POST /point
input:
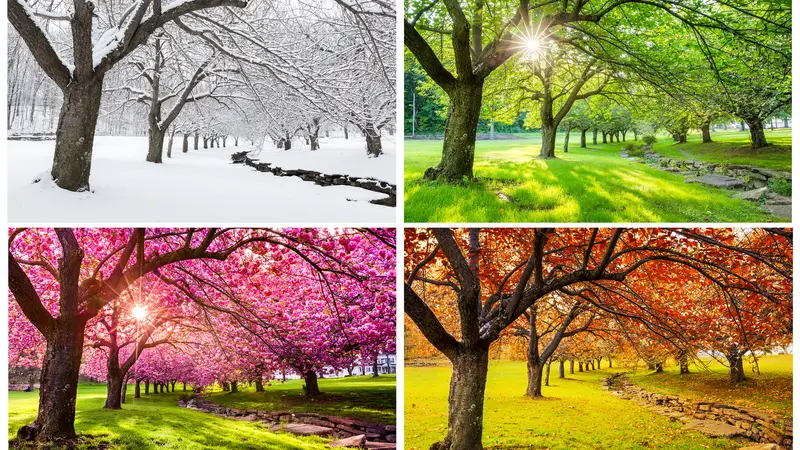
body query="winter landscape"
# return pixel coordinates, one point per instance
(134, 112)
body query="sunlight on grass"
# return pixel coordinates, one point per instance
(769, 391)
(575, 414)
(585, 185)
(156, 421)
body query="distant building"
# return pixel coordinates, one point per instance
(387, 364)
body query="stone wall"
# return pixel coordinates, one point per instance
(752, 177)
(756, 425)
(343, 427)
(322, 179)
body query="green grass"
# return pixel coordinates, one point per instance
(156, 422)
(733, 147)
(575, 414)
(366, 398)
(770, 391)
(584, 185)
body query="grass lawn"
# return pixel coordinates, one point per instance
(584, 185)
(770, 391)
(367, 398)
(733, 147)
(576, 414)
(156, 422)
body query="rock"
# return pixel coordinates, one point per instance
(381, 445)
(753, 195)
(782, 211)
(714, 428)
(304, 429)
(761, 447)
(352, 441)
(775, 199)
(249, 418)
(720, 181)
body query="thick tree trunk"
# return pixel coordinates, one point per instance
(312, 386)
(571, 366)
(315, 143)
(659, 367)
(185, 148)
(561, 368)
(155, 145)
(137, 391)
(757, 137)
(146, 387)
(465, 402)
(604, 138)
(681, 138)
(535, 372)
(580, 366)
(704, 128)
(458, 149)
(72, 160)
(287, 143)
(548, 149)
(58, 385)
(583, 138)
(259, 386)
(373, 137)
(234, 386)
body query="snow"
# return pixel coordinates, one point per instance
(335, 156)
(198, 187)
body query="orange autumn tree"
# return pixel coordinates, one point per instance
(465, 288)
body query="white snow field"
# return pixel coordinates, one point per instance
(200, 187)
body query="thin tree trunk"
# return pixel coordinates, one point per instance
(594, 136)
(146, 387)
(547, 372)
(583, 138)
(566, 141)
(185, 148)
(137, 391)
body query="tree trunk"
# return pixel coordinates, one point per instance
(184, 386)
(146, 387)
(741, 125)
(287, 143)
(373, 137)
(259, 386)
(757, 137)
(185, 148)
(465, 402)
(169, 144)
(137, 391)
(566, 141)
(786, 122)
(196, 139)
(458, 149)
(609, 362)
(604, 138)
(548, 149)
(315, 143)
(236, 141)
(547, 372)
(659, 367)
(72, 160)
(205, 142)
(114, 391)
(624, 133)
(124, 390)
(681, 138)
(535, 372)
(173, 386)
(345, 133)
(155, 147)
(571, 366)
(234, 386)
(225, 387)
(580, 366)
(58, 385)
(312, 387)
(704, 128)
(583, 138)
(561, 368)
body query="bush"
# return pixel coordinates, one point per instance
(649, 140)
(635, 151)
(781, 186)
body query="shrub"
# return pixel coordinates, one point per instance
(781, 186)
(634, 150)
(649, 140)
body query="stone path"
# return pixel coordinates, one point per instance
(347, 432)
(322, 179)
(750, 182)
(772, 431)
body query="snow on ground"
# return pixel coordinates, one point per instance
(198, 187)
(335, 156)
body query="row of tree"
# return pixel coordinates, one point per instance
(502, 59)
(193, 305)
(586, 294)
(215, 67)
